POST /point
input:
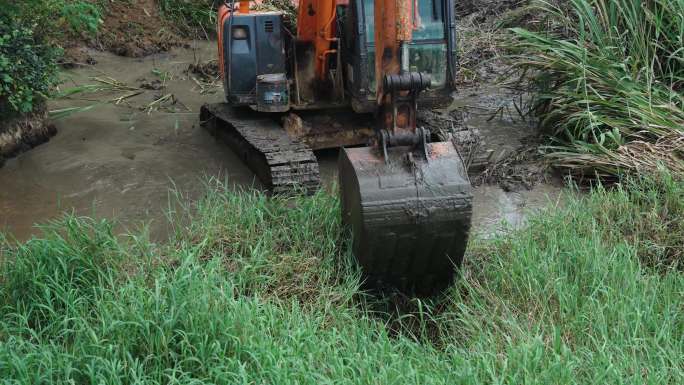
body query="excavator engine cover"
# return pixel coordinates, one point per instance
(410, 217)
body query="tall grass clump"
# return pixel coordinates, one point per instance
(589, 292)
(285, 247)
(191, 16)
(256, 290)
(610, 76)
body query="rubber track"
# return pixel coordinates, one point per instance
(283, 164)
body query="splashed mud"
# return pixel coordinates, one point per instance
(120, 161)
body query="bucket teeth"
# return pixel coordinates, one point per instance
(410, 217)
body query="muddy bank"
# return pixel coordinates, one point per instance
(129, 28)
(24, 132)
(498, 142)
(136, 29)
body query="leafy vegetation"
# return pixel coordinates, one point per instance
(258, 290)
(194, 16)
(50, 19)
(610, 77)
(191, 16)
(27, 68)
(29, 31)
(79, 16)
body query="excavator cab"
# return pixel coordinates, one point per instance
(407, 200)
(432, 51)
(269, 68)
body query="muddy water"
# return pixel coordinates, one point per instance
(492, 111)
(118, 161)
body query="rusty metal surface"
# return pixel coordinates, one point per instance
(410, 218)
(330, 129)
(282, 163)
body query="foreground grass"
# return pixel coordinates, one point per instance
(255, 290)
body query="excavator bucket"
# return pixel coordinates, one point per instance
(410, 216)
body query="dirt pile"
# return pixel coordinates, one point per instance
(484, 39)
(23, 133)
(135, 29)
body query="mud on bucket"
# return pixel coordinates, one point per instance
(410, 217)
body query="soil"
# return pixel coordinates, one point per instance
(487, 8)
(135, 29)
(205, 71)
(490, 115)
(498, 141)
(131, 28)
(484, 37)
(77, 55)
(523, 169)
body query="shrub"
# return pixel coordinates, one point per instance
(79, 16)
(29, 32)
(27, 68)
(193, 16)
(50, 19)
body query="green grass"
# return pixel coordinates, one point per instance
(609, 76)
(257, 290)
(191, 16)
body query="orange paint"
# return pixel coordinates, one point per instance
(394, 25)
(394, 22)
(244, 7)
(316, 24)
(223, 14)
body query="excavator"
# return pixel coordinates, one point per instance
(353, 74)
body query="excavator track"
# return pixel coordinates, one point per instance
(282, 163)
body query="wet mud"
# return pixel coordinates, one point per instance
(122, 160)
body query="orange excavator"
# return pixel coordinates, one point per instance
(370, 65)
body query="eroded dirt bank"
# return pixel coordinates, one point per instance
(23, 133)
(121, 160)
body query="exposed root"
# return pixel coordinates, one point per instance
(23, 133)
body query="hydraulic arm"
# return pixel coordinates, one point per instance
(408, 201)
